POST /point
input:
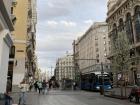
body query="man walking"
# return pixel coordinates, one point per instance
(23, 88)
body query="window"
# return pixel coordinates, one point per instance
(97, 56)
(104, 37)
(12, 52)
(104, 42)
(137, 23)
(11, 10)
(114, 32)
(129, 29)
(96, 43)
(121, 25)
(97, 49)
(96, 38)
(104, 49)
(105, 55)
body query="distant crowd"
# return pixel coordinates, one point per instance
(41, 86)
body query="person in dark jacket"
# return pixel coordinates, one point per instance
(44, 86)
(36, 86)
(8, 99)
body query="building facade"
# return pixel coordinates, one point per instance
(64, 68)
(91, 50)
(24, 40)
(6, 27)
(31, 40)
(124, 15)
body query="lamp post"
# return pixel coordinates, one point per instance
(102, 73)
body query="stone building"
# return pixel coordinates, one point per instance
(6, 27)
(124, 15)
(91, 50)
(65, 68)
(24, 38)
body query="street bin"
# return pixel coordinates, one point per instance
(101, 90)
(2, 99)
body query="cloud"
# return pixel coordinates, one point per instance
(68, 23)
(62, 21)
(52, 23)
(88, 21)
(52, 9)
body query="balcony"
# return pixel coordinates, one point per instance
(14, 2)
(13, 18)
(30, 13)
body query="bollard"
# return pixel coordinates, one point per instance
(101, 90)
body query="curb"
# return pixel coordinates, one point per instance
(116, 96)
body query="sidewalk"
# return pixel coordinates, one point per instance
(32, 98)
(116, 93)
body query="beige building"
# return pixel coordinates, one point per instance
(64, 68)
(124, 15)
(92, 48)
(6, 27)
(24, 40)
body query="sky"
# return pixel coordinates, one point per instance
(59, 22)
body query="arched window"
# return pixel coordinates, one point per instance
(137, 23)
(129, 29)
(114, 36)
(121, 25)
(114, 32)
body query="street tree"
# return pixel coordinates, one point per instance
(121, 56)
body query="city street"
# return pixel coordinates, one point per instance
(57, 97)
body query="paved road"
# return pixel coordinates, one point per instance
(57, 97)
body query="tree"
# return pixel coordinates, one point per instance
(121, 56)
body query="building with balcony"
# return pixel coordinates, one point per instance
(124, 15)
(6, 27)
(31, 39)
(24, 40)
(91, 49)
(65, 68)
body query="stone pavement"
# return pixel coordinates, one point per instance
(32, 98)
(69, 97)
(56, 97)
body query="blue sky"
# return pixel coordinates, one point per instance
(62, 21)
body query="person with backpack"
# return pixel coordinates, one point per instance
(39, 86)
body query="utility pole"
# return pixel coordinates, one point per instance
(74, 60)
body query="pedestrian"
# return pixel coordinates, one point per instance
(23, 93)
(44, 86)
(74, 86)
(36, 85)
(8, 99)
(134, 94)
(39, 86)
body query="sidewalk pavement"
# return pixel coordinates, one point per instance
(116, 92)
(32, 98)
